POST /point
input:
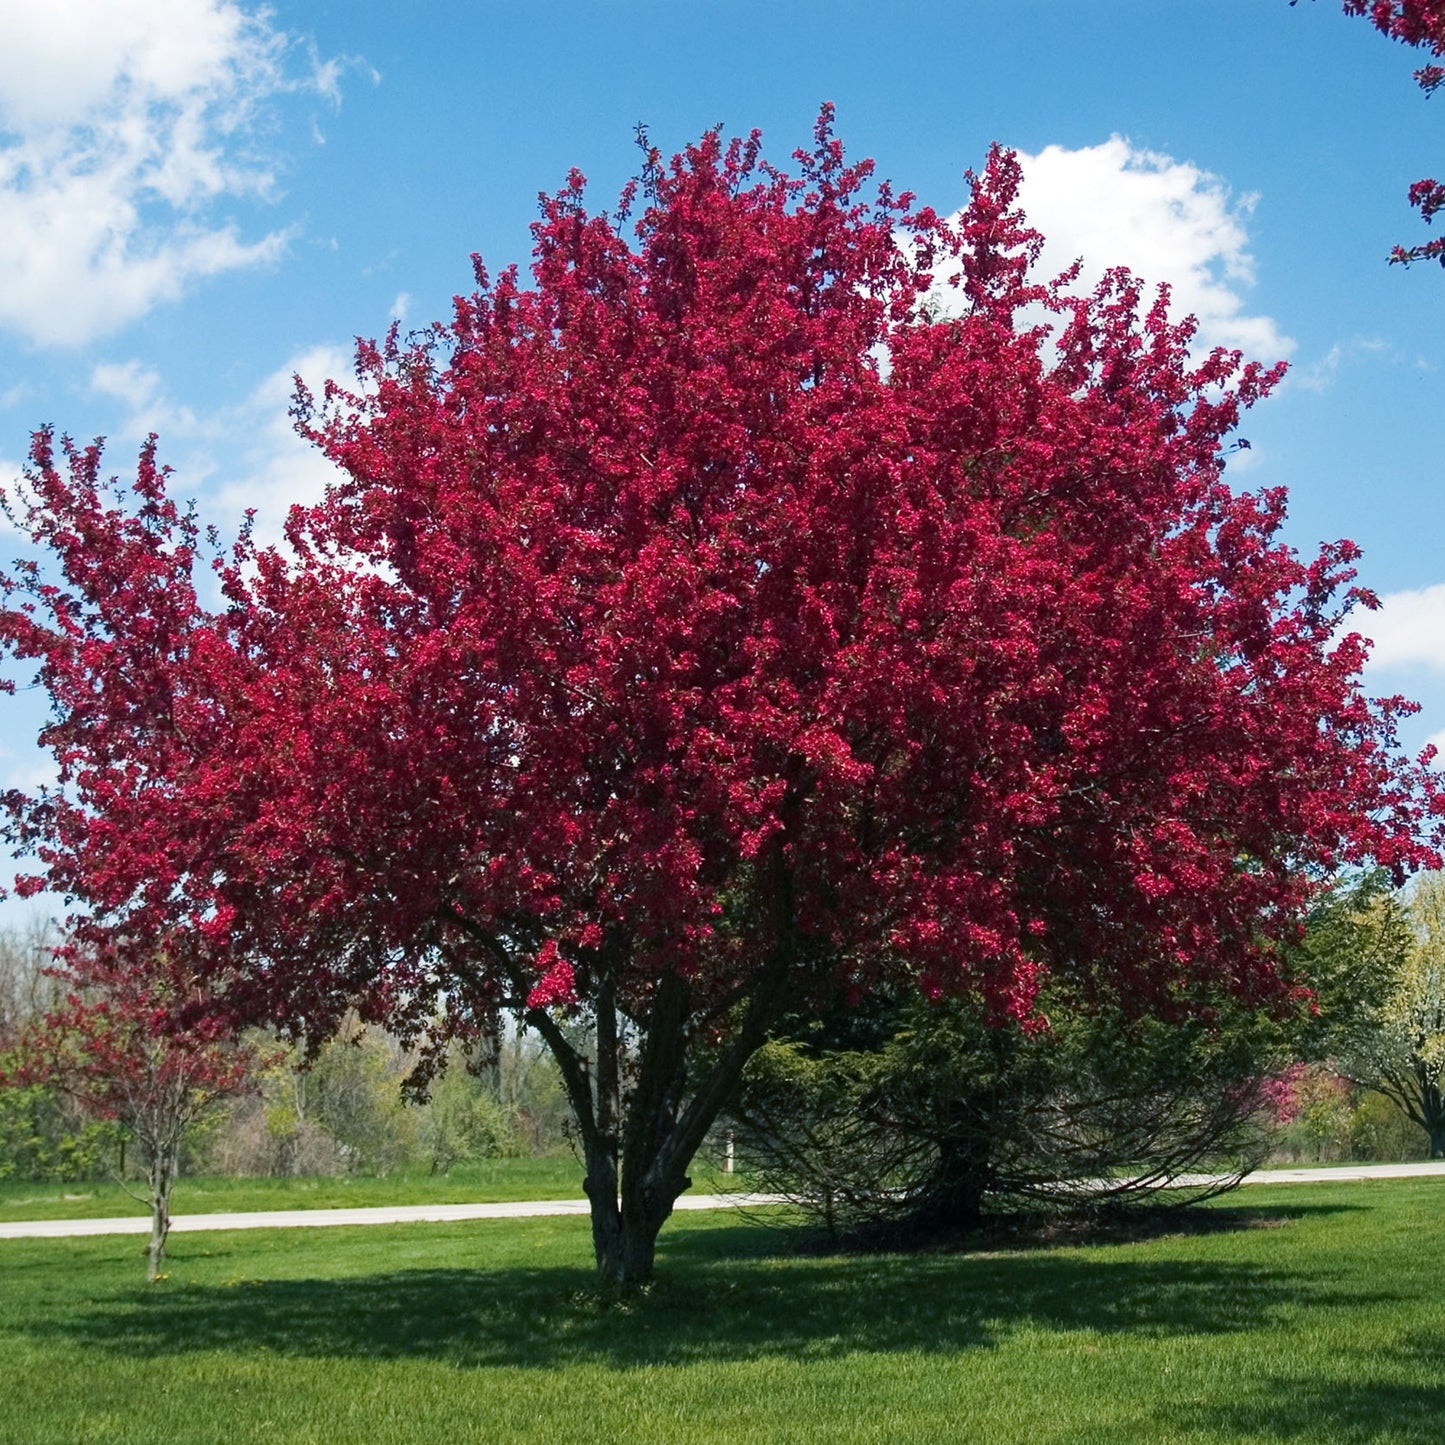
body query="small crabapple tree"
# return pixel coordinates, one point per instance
(136, 1043)
(709, 623)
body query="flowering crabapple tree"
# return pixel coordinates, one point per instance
(1420, 23)
(138, 1045)
(714, 622)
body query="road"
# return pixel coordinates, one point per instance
(526, 1209)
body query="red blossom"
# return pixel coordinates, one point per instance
(557, 985)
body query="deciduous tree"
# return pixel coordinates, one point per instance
(1399, 1049)
(711, 623)
(141, 1046)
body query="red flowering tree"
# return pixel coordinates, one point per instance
(138, 1044)
(717, 621)
(1420, 23)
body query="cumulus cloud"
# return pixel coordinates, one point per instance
(141, 390)
(276, 469)
(1408, 630)
(243, 457)
(123, 123)
(1166, 220)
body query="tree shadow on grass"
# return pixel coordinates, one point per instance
(1382, 1402)
(715, 1299)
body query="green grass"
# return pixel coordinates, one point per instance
(1313, 1315)
(488, 1180)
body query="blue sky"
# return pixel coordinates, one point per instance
(198, 197)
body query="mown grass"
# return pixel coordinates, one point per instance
(1312, 1313)
(485, 1181)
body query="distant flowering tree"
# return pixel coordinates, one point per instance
(1402, 1051)
(1420, 23)
(1311, 1101)
(138, 1045)
(709, 625)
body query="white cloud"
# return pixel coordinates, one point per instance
(1166, 220)
(401, 306)
(1408, 630)
(1322, 374)
(276, 468)
(122, 123)
(149, 406)
(243, 456)
(10, 471)
(1438, 740)
(128, 381)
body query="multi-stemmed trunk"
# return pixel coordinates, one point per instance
(651, 1088)
(1417, 1089)
(639, 1140)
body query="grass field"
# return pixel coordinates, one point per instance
(489, 1180)
(1312, 1313)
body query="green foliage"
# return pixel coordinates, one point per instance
(348, 1112)
(1378, 1130)
(1388, 1031)
(41, 1138)
(354, 1090)
(344, 1114)
(920, 1114)
(1349, 960)
(1317, 1120)
(463, 1121)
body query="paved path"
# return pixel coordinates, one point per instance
(380, 1214)
(524, 1209)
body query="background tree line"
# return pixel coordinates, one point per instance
(343, 1112)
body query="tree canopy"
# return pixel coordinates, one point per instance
(786, 590)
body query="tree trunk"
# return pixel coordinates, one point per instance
(1432, 1108)
(625, 1226)
(952, 1201)
(637, 1144)
(162, 1177)
(1434, 1111)
(638, 1139)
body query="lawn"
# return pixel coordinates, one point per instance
(486, 1181)
(1311, 1313)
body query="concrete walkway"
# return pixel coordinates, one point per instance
(380, 1214)
(526, 1209)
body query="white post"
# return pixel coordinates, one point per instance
(728, 1154)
